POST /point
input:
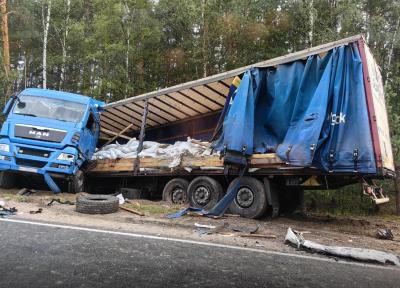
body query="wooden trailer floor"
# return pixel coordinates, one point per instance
(208, 163)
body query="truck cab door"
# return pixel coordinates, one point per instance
(90, 135)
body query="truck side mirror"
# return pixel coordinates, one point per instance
(9, 105)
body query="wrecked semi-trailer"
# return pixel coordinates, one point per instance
(314, 119)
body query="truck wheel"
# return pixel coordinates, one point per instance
(290, 199)
(7, 180)
(175, 191)
(250, 200)
(77, 184)
(97, 204)
(204, 192)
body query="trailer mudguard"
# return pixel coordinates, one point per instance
(310, 112)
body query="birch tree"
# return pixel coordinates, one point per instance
(64, 43)
(46, 10)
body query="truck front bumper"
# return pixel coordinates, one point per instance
(39, 160)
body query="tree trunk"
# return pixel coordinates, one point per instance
(311, 23)
(64, 44)
(46, 25)
(205, 32)
(4, 31)
(397, 189)
(390, 53)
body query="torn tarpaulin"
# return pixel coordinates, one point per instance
(367, 255)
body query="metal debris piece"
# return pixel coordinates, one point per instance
(250, 230)
(26, 192)
(198, 225)
(367, 255)
(60, 201)
(385, 234)
(40, 210)
(6, 212)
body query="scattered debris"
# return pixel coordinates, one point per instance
(132, 210)
(249, 230)
(26, 192)
(265, 236)
(60, 201)
(40, 210)
(121, 199)
(385, 234)
(204, 226)
(6, 212)
(368, 255)
(226, 230)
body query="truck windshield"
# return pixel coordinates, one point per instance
(51, 108)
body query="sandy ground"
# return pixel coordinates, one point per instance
(343, 231)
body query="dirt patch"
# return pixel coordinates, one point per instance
(326, 229)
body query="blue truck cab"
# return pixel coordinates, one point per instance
(50, 133)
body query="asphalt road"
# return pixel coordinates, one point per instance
(48, 256)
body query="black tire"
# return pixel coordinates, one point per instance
(7, 180)
(250, 200)
(204, 192)
(97, 204)
(175, 191)
(290, 200)
(77, 183)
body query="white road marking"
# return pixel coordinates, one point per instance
(135, 235)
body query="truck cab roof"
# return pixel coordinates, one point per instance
(62, 95)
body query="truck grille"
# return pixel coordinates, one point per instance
(34, 152)
(39, 133)
(30, 163)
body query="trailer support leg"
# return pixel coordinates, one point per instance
(141, 136)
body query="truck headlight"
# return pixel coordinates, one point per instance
(66, 157)
(5, 147)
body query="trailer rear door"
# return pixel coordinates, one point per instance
(377, 110)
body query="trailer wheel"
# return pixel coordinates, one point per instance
(204, 192)
(250, 200)
(77, 184)
(175, 191)
(97, 204)
(7, 179)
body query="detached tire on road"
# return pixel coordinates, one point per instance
(204, 192)
(250, 200)
(97, 204)
(175, 191)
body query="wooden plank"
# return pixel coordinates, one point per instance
(114, 133)
(120, 134)
(131, 210)
(126, 164)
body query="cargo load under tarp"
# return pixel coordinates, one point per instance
(311, 112)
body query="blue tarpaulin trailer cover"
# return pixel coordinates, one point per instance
(311, 112)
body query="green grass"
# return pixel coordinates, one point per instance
(14, 197)
(154, 209)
